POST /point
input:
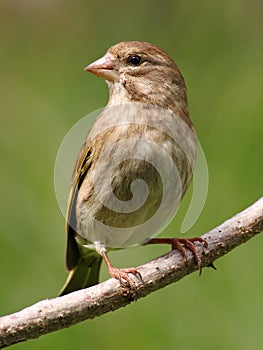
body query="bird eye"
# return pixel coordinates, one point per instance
(135, 60)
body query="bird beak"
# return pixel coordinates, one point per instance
(104, 67)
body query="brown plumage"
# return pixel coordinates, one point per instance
(147, 112)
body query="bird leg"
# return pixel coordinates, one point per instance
(181, 244)
(122, 275)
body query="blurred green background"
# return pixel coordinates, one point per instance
(219, 48)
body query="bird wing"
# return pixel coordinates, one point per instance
(81, 168)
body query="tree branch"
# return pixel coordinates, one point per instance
(53, 314)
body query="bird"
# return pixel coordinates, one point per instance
(134, 166)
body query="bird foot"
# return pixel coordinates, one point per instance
(122, 275)
(181, 244)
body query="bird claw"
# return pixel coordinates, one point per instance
(122, 275)
(182, 243)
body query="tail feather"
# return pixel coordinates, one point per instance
(84, 275)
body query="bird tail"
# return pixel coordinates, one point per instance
(84, 275)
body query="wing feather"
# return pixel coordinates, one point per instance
(81, 168)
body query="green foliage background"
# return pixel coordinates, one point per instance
(219, 48)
